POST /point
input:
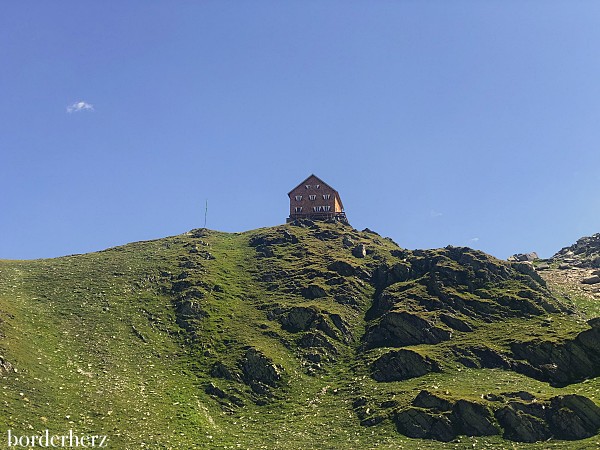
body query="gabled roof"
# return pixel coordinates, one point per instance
(337, 194)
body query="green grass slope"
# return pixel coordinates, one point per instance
(312, 335)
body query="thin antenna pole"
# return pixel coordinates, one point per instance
(205, 212)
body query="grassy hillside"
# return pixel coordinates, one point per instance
(297, 336)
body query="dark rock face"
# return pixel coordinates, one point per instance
(417, 423)
(298, 319)
(398, 329)
(259, 372)
(473, 419)
(427, 400)
(569, 417)
(342, 267)
(401, 365)
(360, 251)
(523, 424)
(313, 291)
(573, 417)
(563, 363)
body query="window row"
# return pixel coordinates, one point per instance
(298, 209)
(316, 186)
(313, 197)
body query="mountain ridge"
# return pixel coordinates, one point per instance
(301, 325)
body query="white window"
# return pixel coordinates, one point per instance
(317, 186)
(317, 208)
(298, 209)
(312, 197)
(298, 198)
(326, 208)
(326, 196)
(307, 186)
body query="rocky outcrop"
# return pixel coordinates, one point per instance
(450, 283)
(5, 366)
(259, 372)
(569, 417)
(401, 365)
(565, 362)
(584, 253)
(401, 328)
(524, 257)
(360, 251)
(521, 418)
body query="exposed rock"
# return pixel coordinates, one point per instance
(524, 257)
(220, 370)
(360, 251)
(584, 253)
(563, 363)
(427, 400)
(400, 328)
(402, 364)
(473, 419)
(455, 323)
(188, 311)
(347, 241)
(316, 340)
(342, 267)
(591, 280)
(313, 291)
(298, 318)
(417, 423)
(5, 366)
(522, 426)
(259, 371)
(573, 417)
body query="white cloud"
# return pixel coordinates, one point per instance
(433, 214)
(80, 106)
(475, 239)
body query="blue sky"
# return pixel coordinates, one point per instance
(439, 122)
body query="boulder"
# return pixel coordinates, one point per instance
(524, 257)
(591, 280)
